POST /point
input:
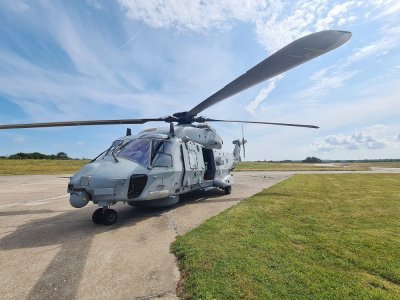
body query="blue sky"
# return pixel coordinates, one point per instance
(84, 60)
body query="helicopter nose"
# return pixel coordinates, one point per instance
(106, 173)
(105, 181)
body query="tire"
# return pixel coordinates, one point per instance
(228, 190)
(97, 216)
(109, 217)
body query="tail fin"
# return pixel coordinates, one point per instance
(236, 151)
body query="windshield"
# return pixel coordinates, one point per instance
(137, 150)
(116, 144)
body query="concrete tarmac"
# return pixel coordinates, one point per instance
(50, 250)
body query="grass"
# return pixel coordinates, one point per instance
(43, 166)
(388, 164)
(39, 166)
(270, 166)
(310, 237)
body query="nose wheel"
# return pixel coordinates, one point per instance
(106, 216)
(228, 190)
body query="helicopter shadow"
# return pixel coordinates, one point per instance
(71, 233)
(209, 196)
(195, 197)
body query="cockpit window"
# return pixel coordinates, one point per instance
(137, 150)
(161, 154)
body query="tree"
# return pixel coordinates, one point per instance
(62, 155)
(312, 160)
(37, 155)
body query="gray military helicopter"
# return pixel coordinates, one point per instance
(155, 166)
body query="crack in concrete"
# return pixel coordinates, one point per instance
(165, 295)
(172, 220)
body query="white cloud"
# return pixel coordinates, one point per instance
(276, 22)
(105, 81)
(336, 76)
(389, 41)
(263, 94)
(342, 21)
(336, 14)
(371, 138)
(192, 15)
(382, 9)
(324, 83)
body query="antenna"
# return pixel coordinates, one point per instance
(171, 129)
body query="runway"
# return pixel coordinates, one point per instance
(49, 249)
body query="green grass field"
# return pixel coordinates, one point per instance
(39, 166)
(310, 237)
(43, 166)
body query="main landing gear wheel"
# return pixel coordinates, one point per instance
(97, 215)
(228, 190)
(109, 217)
(106, 216)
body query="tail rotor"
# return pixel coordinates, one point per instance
(243, 143)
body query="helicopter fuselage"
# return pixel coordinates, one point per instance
(154, 167)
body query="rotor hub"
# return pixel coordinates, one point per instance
(183, 118)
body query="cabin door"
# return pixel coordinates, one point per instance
(193, 164)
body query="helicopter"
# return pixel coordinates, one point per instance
(154, 167)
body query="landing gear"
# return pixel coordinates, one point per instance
(96, 217)
(109, 217)
(105, 215)
(228, 190)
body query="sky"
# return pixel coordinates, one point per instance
(118, 59)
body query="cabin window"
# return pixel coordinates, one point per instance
(137, 150)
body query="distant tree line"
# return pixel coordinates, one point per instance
(318, 160)
(37, 155)
(307, 160)
(364, 160)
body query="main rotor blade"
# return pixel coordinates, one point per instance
(259, 122)
(292, 55)
(80, 123)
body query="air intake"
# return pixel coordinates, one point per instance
(137, 184)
